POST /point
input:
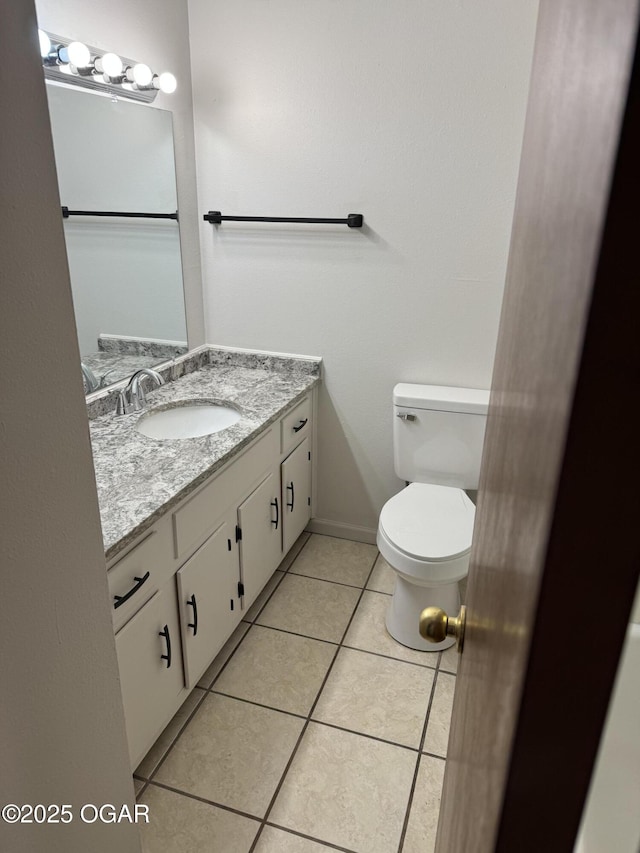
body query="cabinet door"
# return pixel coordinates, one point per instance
(260, 520)
(296, 493)
(151, 675)
(209, 602)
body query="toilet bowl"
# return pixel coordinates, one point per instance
(424, 534)
(425, 531)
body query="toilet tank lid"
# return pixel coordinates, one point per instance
(442, 398)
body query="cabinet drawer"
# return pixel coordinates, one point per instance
(143, 570)
(201, 514)
(295, 426)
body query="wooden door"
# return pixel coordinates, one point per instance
(260, 519)
(296, 493)
(208, 600)
(554, 557)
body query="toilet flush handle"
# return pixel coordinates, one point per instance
(405, 416)
(436, 626)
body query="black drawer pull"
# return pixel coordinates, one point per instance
(274, 503)
(120, 599)
(300, 425)
(290, 505)
(194, 624)
(165, 633)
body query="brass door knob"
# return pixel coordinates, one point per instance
(436, 626)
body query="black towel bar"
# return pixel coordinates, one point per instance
(353, 220)
(66, 213)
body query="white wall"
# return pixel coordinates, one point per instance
(155, 32)
(62, 736)
(410, 113)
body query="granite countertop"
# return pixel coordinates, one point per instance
(139, 479)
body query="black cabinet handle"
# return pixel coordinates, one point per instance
(120, 599)
(274, 503)
(165, 633)
(290, 505)
(194, 624)
(300, 425)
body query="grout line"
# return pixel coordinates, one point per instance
(309, 837)
(298, 634)
(433, 667)
(433, 755)
(326, 580)
(204, 800)
(142, 790)
(258, 704)
(295, 634)
(364, 734)
(407, 813)
(308, 720)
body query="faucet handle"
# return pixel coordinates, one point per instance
(139, 397)
(123, 407)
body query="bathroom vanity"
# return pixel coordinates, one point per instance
(194, 528)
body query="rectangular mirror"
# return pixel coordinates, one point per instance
(114, 156)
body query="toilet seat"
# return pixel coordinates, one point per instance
(425, 533)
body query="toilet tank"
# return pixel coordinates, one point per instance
(438, 432)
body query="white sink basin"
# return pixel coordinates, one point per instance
(187, 420)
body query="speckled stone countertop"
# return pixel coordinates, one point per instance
(139, 479)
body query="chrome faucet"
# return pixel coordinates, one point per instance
(132, 398)
(90, 379)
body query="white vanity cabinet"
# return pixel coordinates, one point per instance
(151, 673)
(209, 605)
(296, 493)
(260, 532)
(179, 592)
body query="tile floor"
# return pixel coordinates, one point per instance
(313, 730)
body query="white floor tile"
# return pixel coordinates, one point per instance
(232, 753)
(423, 819)
(347, 789)
(437, 735)
(278, 669)
(179, 824)
(376, 696)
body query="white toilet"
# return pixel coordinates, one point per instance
(425, 531)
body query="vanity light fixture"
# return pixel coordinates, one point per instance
(78, 64)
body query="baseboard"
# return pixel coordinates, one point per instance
(342, 531)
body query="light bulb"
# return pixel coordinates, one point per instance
(142, 74)
(45, 43)
(110, 64)
(166, 82)
(78, 54)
